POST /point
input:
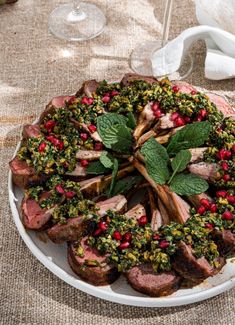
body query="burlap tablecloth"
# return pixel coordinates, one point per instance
(34, 66)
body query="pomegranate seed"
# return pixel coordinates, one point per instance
(156, 237)
(213, 208)
(179, 121)
(175, 89)
(90, 101)
(42, 146)
(98, 146)
(227, 215)
(97, 232)
(224, 154)
(59, 189)
(49, 125)
(233, 149)
(124, 245)
(102, 225)
(85, 100)
(157, 113)
(71, 100)
(193, 92)
(187, 119)
(203, 113)
(199, 119)
(226, 177)
(231, 199)
(70, 194)
(92, 128)
(50, 138)
(84, 163)
(209, 225)
(164, 244)
(60, 145)
(221, 193)
(117, 235)
(127, 236)
(224, 166)
(142, 221)
(174, 116)
(106, 99)
(155, 107)
(201, 210)
(114, 93)
(206, 203)
(84, 136)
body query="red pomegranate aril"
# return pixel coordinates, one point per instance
(157, 113)
(156, 237)
(60, 145)
(59, 189)
(187, 119)
(124, 245)
(117, 235)
(71, 100)
(226, 177)
(199, 119)
(90, 101)
(175, 89)
(155, 107)
(85, 100)
(231, 199)
(50, 138)
(209, 225)
(203, 113)
(193, 92)
(49, 125)
(143, 220)
(98, 146)
(97, 232)
(224, 166)
(92, 128)
(206, 203)
(224, 154)
(70, 194)
(102, 225)
(84, 163)
(164, 244)
(174, 116)
(127, 236)
(114, 93)
(201, 210)
(227, 215)
(233, 149)
(221, 193)
(84, 136)
(213, 208)
(42, 147)
(106, 99)
(179, 121)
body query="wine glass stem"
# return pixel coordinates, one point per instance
(167, 21)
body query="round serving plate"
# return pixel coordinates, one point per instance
(54, 258)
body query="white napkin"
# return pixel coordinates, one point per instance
(220, 58)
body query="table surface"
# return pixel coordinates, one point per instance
(34, 66)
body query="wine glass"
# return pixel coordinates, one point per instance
(77, 21)
(141, 56)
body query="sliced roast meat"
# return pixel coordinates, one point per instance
(24, 175)
(145, 120)
(33, 216)
(207, 171)
(222, 104)
(195, 199)
(130, 77)
(162, 139)
(88, 88)
(136, 212)
(155, 284)
(116, 203)
(225, 241)
(192, 268)
(78, 171)
(183, 86)
(31, 131)
(197, 154)
(164, 213)
(82, 126)
(88, 154)
(55, 103)
(156, 218)
(92, 267)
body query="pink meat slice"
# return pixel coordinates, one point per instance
(116, 203)
(31, 131)
(221, 104)
(207, 171)
(184, 87)
(22, 173)
(54, 104)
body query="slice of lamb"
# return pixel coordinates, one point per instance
(82, 126)
(92, 267)
(197, 154)
(55, 103)
(222, 104)
(88, 154)
(33, 216)
(192, 268)
(136, 212)
(88, 88)
(145, 120)
(195, 199)
(183, 86)
(207, 171)
(156, 218)
(31, 131)
(162, 139)
(164, 213)
(24, 175)
(225, 241)
(116, 203)
(79, 171)
(130, 77)
(143, 279)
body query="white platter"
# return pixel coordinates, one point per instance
(54, 258)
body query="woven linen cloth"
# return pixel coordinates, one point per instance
(35, 66)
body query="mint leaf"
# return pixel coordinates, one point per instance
(106, 159)
(119, 138)
(156, 160)
(181, 160)
(114, 175)
(131, 122)
(96, 168)
(191, 136)
(126, 184)
(107, 120)
(188, 184)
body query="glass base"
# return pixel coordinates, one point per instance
(87, 23)
(140, 61)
